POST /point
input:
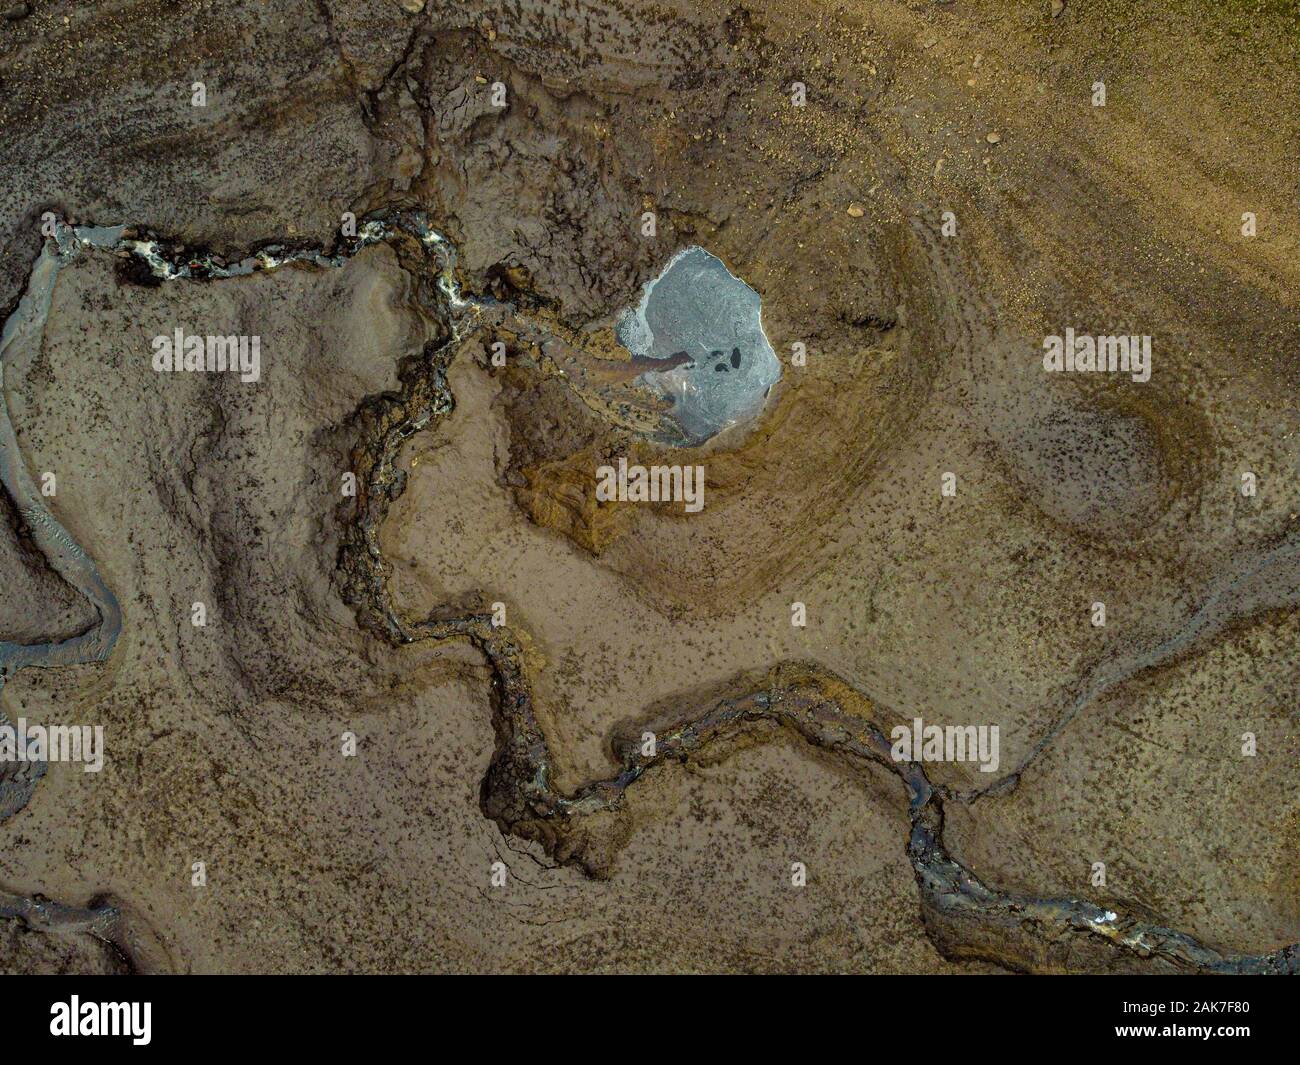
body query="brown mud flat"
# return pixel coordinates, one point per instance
(1119, 745)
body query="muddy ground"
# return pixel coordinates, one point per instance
(1120, 744)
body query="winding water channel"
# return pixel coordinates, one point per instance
(964, 916)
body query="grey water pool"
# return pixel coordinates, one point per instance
(698, 307)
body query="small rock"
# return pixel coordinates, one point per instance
(1057, 7)
(855, 211)
(15, 12)
(993, 137)
(413, 6)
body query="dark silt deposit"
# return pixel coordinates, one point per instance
(701, 315)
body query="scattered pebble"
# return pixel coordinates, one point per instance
(855, 211)
(413, 6)
(1057, 7)
(993, 137)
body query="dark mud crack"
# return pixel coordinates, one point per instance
(964, 917)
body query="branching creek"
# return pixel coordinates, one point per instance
(964, 917)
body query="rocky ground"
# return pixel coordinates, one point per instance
(1120, 744)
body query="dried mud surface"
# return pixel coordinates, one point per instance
(518, 744)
